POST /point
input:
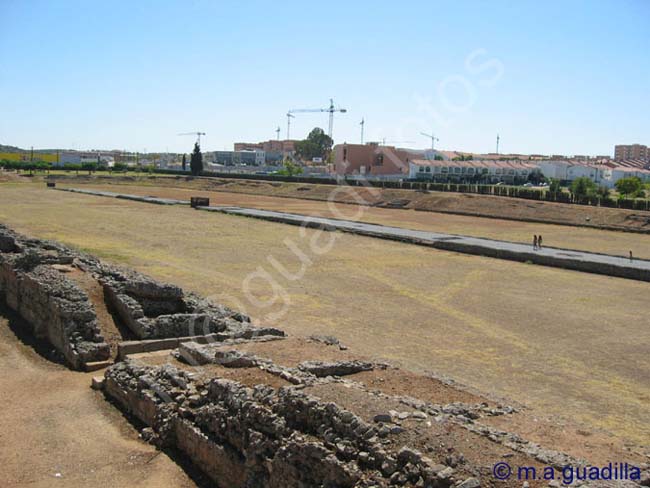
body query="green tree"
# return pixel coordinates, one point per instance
(554, 186)
(583, 187)
(290, 168)
(184, 162)
(536, 177)
(603, 192)
(196, 160)
(90, 167)
(317, 145)
(629, 186)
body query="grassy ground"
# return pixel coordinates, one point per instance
(579, 238)
(566, 342)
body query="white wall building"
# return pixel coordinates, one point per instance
(567, 171)
(487, 171)
(612, 175)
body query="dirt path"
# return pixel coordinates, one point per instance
(56, 431)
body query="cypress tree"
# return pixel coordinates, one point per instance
(196, 160)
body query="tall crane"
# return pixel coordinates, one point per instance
(331, 109)
(433, 139)
(277, 133)
(289, 117)
(198, 135)
(384, 142)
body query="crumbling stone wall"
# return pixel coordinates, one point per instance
(51, 304)
(153, 310)
(262, 437)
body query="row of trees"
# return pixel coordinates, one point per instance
(88, 166)
(626, 187)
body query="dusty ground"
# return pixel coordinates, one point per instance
(52, 422)
(476, 205)
(579, 238)
(563, 342)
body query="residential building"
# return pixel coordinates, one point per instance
(612, 174)
(274, 150)
(631, 151)
(484, 171)
(370, 159)
(568, 170)
(232, 158)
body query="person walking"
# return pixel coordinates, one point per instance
(535, 241)
(539, 241)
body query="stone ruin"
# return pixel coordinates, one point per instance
(34, 284)
(52, 306)
(264, 437)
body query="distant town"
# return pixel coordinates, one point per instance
(372, 160)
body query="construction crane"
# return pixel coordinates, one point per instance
(433, 139)
(331, 109)
(384, 142)
(289, 117)
(277, 133)
(197, 134)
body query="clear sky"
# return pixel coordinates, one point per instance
(553, 77)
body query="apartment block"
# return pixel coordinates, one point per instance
(631, 151)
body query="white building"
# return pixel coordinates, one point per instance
(66, 158)
(487, 171)
(612, 175)
(568, 171)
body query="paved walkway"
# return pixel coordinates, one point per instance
(606, 264)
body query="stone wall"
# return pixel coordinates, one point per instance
(52, 305)
(262, 437)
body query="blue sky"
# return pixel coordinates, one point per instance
(565, 77)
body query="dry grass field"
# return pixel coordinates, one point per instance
(564, 343)
(429, 201)
(580, 238)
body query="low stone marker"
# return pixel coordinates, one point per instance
(199, 202)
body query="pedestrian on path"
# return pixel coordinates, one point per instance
(539, 241)
(535, 241)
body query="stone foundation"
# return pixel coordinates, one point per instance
(52, 305)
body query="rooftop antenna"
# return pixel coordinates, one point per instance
(277, 132)
(362, 124)
(497, 143)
